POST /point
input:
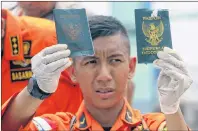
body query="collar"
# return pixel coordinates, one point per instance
(128, 117)
(13, 44)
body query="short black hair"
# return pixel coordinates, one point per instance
(107, 26)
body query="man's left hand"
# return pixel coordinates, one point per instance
(173, 80)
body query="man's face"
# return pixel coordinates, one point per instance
(103, 77)
(36, 9)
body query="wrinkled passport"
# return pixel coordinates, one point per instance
(72, 29)
(152, 33)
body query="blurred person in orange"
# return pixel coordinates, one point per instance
(22, 38)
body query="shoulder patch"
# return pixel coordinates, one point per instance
(128, 116)
(83, 122)
(14, 41)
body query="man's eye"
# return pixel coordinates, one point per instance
(91, 62)
(115, 60)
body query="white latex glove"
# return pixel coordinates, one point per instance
(48, 64)
(173, 80)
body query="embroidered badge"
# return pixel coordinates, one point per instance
(21, 70)
(14, 40)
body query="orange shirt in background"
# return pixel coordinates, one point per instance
(24, 37)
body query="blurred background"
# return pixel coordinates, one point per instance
(184, 31)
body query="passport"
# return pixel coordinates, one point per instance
(152, 33)
(72, 28)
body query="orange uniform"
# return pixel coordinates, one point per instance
(128, 120)
(26, 36)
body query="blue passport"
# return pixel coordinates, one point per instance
(72, 28)
(152, 33)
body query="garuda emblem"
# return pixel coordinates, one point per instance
(153, 33)
(73, 31)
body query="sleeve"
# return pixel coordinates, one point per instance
(47, 122)
(156, 122)
(58, 121)
(12, 38)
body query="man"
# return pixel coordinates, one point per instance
(45, 10)
(22, 38)
(103, 79)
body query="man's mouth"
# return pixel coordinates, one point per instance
(105, 93)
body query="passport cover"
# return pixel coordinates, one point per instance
(152, 34)
(72, 29)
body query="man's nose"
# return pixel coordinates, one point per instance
(104, 74)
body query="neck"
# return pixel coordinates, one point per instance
(106, 117)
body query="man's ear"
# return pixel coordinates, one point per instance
(72, 73)
(132, 66)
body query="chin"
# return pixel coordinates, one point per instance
(106, 104)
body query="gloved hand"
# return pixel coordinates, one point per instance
(173, 80)
(48, 64)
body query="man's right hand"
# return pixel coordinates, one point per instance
(48, 64)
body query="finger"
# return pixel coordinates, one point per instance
(183, 80)
(179, 87)
(174, 74)
(52, 67)
(171, 59)
(172, 86)
(55, 56)
(165, 90)
(173, 53)
(68, 64)
(163, 80)
(36, 60)
(54, 48)
(166, 65)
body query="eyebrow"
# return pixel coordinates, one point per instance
(95, 57)
(89, 57)
(115, 55)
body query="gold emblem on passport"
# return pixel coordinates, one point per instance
(74, 31)
(153, 32)
(14, 40)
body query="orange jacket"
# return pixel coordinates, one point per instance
(129, 119)
(26, 36)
